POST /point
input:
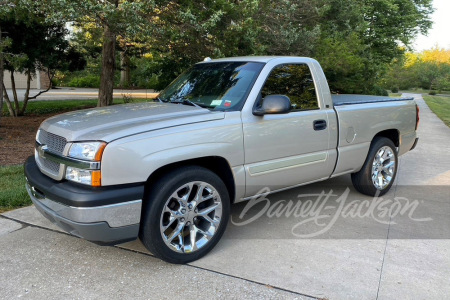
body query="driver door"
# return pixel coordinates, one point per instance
(284, 150)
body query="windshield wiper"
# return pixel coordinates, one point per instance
(186, 102)
(191, 103)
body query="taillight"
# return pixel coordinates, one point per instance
(417, 116)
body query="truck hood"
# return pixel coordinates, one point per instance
(113, 122)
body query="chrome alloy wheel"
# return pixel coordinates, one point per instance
(383, 167)
(191, 216)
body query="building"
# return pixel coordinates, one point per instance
(40, 82)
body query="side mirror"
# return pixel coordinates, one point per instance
(273, 104)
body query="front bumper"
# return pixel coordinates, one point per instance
(104, 215)
(415, 144)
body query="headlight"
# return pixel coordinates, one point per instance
(87, 151)
(89, 177)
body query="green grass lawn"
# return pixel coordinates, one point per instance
(424, 92)
(48, 107)
(395, 95)
(12, 188)
(418, 91)
(440, 106)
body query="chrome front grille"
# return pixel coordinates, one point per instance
(55, 144)
(51, 166)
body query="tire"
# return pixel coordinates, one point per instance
(179, 224)
(379, 170)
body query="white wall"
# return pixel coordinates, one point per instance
(21, 81)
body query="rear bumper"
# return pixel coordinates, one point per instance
(406, 142)
(106, 215)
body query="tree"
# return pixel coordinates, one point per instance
(1, 71)
(375, 32)
(115, 17)
(341, 60)
(354, 39)
(34, 45)
(429, 69)
(185, 32)
(288, 27)
(5, 9)
(86, 36)
(433, 69)
(389, 22)
(363, 35)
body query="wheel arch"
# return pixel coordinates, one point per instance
(392, 134)
(216, 164)
(362, 180)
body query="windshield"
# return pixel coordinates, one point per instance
(219, 86)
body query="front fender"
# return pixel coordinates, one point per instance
(134, 159)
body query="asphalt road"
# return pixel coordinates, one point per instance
(340, 250)
(65, 93)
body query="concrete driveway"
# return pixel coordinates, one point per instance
(339, 250)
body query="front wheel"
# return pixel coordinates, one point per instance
(186, 214)
(379, 170)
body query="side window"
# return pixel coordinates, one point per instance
(294, 81)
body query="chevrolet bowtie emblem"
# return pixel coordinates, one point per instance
(41, 149)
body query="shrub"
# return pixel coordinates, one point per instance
(432, 93)
(394, 89)
(379, 91)
(88, 81)
(127, 98)
(156, 73)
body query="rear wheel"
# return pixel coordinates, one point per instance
(379, 170)
(186, 215)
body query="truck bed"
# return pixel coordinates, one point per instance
(361, 99)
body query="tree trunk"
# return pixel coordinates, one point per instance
(27, 94)
(50, 76)
(1, 75)
(8, 102)
(105, 94)
(124, 70)
(16, 99)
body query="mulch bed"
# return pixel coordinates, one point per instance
(17, 138)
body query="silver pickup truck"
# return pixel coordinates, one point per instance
(168, 171)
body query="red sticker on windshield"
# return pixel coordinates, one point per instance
(227, 103)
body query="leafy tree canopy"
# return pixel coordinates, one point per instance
(35, 44)
(355, 40)
(429, 69)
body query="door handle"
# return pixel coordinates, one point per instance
(319, 125)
